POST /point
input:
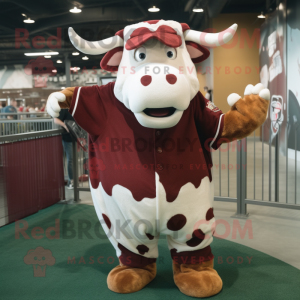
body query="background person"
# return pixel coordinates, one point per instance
(1, 110)
(32, 112)
(67, 143)
(43, 107)
(12, 108)
(208, 94)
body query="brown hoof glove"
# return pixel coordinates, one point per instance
(247, 113)
(124, 279)
(197, 280)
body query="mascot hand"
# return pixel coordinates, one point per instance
(53, 107)
(247, 113)
(252, 94)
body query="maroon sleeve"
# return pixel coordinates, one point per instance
(91, 107)
(209, 120)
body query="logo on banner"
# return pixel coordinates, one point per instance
(41, 68)
(276, 113)
(212, 107)
(276, 66)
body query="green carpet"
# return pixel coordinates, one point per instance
(264, 278)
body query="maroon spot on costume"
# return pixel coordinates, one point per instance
(149, 236)
(173, 251)
(173, 191)
(106, 220)
(197, 238)
(142, 249)
(171, 78)
(133, 260)
(210, 214)
(146, 80)
(176, 222)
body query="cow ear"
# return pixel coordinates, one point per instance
(197, 52)
(111, 60)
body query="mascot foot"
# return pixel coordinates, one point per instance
(197, 280)
(124, 279)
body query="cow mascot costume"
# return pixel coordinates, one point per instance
(150, 139)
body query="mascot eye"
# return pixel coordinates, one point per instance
(36, 68)
(140, 54)
(171, 53)
(44, 68)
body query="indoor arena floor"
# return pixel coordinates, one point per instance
(82, 263)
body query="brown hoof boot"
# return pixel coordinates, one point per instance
(198, 280)
(124, 279)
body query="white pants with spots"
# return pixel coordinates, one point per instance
(133, 227)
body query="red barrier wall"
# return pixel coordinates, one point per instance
(32, 176)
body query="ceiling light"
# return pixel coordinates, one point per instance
(75, 53)
(85, 58)
(197, 9)
(41, 53)
(153, 9)
(75, 10)
(261, 16)
(47, 56)
(29, 21)
(62, 87)
(75, 69)
(59, 61)
(24, 15)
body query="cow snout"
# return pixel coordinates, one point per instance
(171, 78)
(146, 80)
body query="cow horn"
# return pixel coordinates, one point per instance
(211, 39)
(94, 48)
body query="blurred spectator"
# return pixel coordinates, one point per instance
(12, 108)
(43, 107)
(32, 111)
(1, 110)
(67, 143)
(208, 93)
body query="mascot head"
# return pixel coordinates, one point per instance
(156, 76)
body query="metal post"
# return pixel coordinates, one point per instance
(75, 170)
(220, 172)
(241, 180)
(254, 169)
(287, 163)
(228, 168)
(270, 165)
(277, 167)
(67, 70)
(244, 176)
(296, 149)
(263, 162)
